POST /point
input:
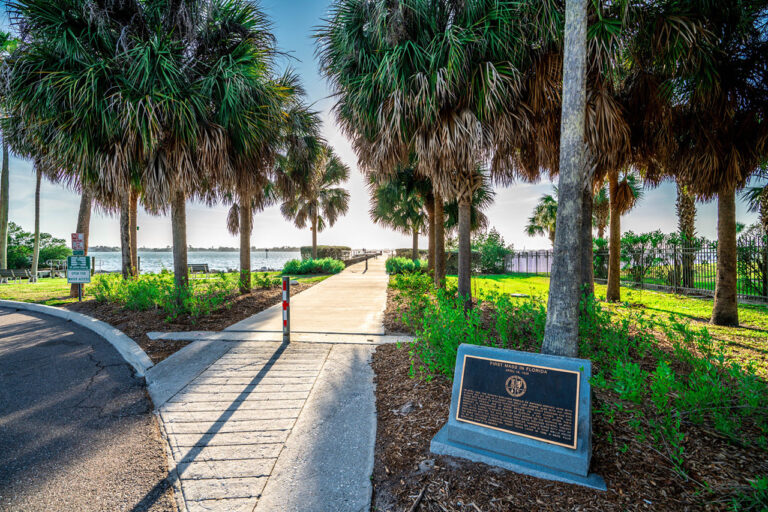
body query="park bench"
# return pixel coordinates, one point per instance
(198, 268)
(7, 275)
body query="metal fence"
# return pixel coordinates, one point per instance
(668, 267)
(529, 262)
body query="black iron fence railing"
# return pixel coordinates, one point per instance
(668, 267)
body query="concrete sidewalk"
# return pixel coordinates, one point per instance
(265, 425)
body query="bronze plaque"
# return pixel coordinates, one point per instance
(532, 401)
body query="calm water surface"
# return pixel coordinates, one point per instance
(157, 261)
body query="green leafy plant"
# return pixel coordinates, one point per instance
(398, 265)
(310, 266)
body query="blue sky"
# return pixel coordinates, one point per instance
(294, 22)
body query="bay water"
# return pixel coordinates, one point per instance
(155, 261)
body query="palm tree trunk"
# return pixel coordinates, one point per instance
(686, 216)
(439, 242)
(125, 237)
(36, 247)
(600, 230)
(4, 206)
(83, 226)
(561, 333)
(179, 228)
(415, 250)
(430, 205)
(245, 243)
(613, 291)
(726, 310)
(314, 236)
(587, 260)
(133, 228)
(465, 253)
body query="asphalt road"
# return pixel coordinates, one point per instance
(76, 428)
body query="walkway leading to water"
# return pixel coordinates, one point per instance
(265, 425)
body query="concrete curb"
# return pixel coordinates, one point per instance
(124, 345)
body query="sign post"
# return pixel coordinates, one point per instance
(78, 249)
(286, 309)
(79, 272)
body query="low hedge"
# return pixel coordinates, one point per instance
(452, 262)
(310, 266)
(325, 251)
(405, 265)
(407, 253)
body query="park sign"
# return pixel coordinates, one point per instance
(78, 244)
(526, 412)
(78, 269)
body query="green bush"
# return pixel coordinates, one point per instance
(407, 253)
(660, 393)
(325, 251)
(310, 266)
(157, 291)
(265, 281)
(493, 251)
(405, 265)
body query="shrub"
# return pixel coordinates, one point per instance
(493, 251)
(157, 291)
(310, 266)
(405, 265)
(325, 251)
(452, 262)
(264, 280)
(408, 252)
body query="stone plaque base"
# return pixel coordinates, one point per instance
(516, 452)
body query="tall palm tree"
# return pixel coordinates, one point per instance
(7, 44)
(322, 201)
(601, 210)
(561, 332)
(720, 137)
(36, 244)
(162, 91)
(437, 79)
(686, 221)
(625, 191)
(482, 198)
(395, 205)
(544, 217)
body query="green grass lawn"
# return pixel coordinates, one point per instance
(746, 343)
(55, 291)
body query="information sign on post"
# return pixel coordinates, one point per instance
(78, 244)
(78, 269)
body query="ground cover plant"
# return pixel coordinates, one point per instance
(678, 423)
(398, 265)
(313, 266)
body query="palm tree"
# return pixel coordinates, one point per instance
(544, 217)
(601, 210)
(686, 219)
(7, 44)
(435, 79)
(162, 96)
(321, 202)
(624, 190)
(395, 205)
(482, 198)
(561, 332)
(720, 137)
(36, 245)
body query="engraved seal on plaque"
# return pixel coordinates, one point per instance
(516, 386)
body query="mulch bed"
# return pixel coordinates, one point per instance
(393, 318)
(136, 324)
(410, 411)
(407, 477)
